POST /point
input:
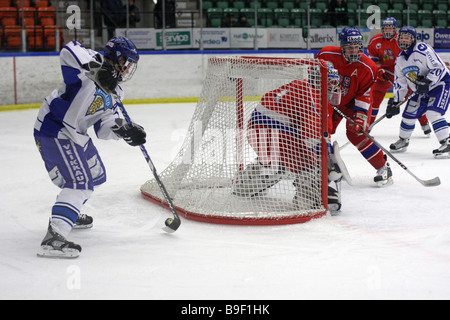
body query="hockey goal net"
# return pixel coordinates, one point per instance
(255, 152)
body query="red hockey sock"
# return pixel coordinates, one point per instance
(423, 120)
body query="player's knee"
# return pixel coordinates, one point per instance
(433, 116)
(75, 197)
(357, 140)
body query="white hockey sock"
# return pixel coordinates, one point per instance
(67, 208)
(440, 125)
(407, 128)
(61, 227)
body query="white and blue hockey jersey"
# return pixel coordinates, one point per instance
(78, 104)
(420, 60)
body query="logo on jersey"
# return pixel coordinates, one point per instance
(388, 55)
(411, 73)
(346, 81)
(422, 47)
(102, 102)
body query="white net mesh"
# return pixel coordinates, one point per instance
(254, 152)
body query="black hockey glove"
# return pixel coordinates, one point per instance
(392, 108)
(422, 85)
(134, 136)
(107, 78)
(102, 73)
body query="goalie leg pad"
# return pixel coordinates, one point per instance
(339, 164)
(257, 178)
(306, 184)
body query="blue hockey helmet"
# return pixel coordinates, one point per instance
(389, 22)
(351, 44)
(406, 37)
(123, 55)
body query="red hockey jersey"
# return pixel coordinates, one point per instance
(384, 52)
(284, 129)
(294, 105)
(356, 78)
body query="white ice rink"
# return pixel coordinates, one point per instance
(387, 243)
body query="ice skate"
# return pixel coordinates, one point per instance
(83, 222)
(384, 176)
(334, 200)
(400, 146)
(55, 245)
(444, 150)
(257, 178)
(426, 129)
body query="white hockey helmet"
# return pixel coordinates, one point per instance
(334, 91)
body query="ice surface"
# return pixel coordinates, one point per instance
(387, 243)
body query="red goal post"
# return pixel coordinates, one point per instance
(232, 151)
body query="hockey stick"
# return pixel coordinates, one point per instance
(426, 183)
(385, 115)
(171, 224)
(370, 128)
(377, 121)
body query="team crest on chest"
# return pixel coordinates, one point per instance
(388, 55)
(346, 81)
(411, 73)
(102, 101)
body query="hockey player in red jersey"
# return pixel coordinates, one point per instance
(357, 77)
(285, 109)
(284, 130)
(383, 50)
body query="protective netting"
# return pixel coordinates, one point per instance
(255, 151)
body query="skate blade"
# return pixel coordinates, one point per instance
(49, 252)
(385, 183)
(334, 213)
(442, 156)
(334, 209)
(83, 226)
(398, 150)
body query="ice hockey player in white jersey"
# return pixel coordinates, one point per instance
(419, 68)
(87, 98)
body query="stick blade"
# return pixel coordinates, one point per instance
(171, 225)
(432, 182)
